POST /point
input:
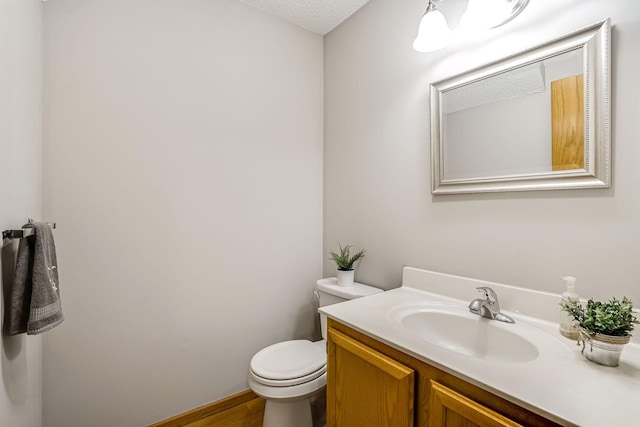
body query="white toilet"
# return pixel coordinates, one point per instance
(289, 374)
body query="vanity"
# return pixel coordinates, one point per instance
(416, 356)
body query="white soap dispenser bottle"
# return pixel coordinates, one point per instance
(568, 326)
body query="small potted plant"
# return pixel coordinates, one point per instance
(345, 261)
(605, 327)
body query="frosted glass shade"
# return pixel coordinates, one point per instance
(433, 32)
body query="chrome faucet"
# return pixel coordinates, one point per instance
(489, 306)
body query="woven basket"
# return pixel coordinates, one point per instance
(609, 339)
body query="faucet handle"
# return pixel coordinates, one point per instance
(489, 294)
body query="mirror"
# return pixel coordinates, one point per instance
(537, 120)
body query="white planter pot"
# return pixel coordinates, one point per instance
(602, 349)
(345, 278)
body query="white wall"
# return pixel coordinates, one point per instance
(376, 156)
(20, 181)
(183, 165)
(490, 140)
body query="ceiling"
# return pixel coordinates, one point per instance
(319, 16)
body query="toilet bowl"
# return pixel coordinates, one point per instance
(289, 375)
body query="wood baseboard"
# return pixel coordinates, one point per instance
(244, 409)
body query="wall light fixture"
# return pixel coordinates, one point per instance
(434, 32)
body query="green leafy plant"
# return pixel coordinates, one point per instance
(614, 318)
(344, 260)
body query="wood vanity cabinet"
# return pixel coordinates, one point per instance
(370, 384)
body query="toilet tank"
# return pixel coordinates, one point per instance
(330, 293)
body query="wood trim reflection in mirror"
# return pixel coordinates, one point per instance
(567, 123)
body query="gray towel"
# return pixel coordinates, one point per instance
(34, 299)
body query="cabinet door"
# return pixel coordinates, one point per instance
(366, 388)
(451, 409)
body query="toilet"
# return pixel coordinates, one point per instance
(290, 374)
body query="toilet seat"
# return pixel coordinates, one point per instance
(288, 363)
(288, 382)
(288, 393)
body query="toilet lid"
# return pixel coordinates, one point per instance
(288, 360)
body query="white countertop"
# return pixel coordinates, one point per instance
(560, 384)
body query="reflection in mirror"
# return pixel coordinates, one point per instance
(519, 124)
(484, 127)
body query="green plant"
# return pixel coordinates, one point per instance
(613, 318)
(344, 260)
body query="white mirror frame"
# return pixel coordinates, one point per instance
(595, 43)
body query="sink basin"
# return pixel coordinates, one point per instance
(454, 328)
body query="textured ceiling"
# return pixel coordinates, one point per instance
(319, 16)
(523, 81)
